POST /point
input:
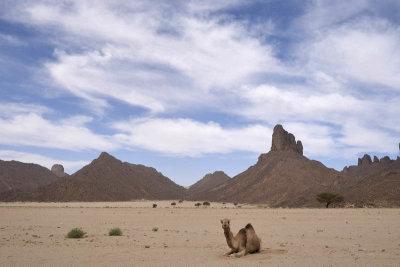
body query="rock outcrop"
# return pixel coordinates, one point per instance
(58, 170)
(284, 141)
(208, 182)
(15, 175)
(104, 179)
(366, 167)
(365, 160)
(281, 177)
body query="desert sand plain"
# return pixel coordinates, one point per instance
(34, 234)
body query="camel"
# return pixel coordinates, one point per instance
(246, 241)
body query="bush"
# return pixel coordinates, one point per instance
(155, 229)
(154, 206)
(235, 203)
(197, 204)
(180, 201)
(329, 198)
(173, 204)
(76, 233)
(206, 203)
(115, 232)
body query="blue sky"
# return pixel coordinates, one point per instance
(190, 87)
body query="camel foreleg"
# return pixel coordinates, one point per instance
(230, 252)
(241, 253)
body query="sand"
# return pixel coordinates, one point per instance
(34, 234)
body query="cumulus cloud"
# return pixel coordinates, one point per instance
(20, 126)
(186, 137)
(337, 82)
(146, 58)
(365, 50)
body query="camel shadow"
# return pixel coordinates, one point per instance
(265, 253)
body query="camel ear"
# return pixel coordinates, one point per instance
(229, 221)
(222, 222)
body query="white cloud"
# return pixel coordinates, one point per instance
(69, 166)
(19, 126)
(270, 103)
(146, 58)
(10, 40)
(150, 55)
(185, 137)
(357, 136)
(365, 50)
(11, 109)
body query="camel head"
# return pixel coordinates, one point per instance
(225, 223)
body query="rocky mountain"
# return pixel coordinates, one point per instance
(15, 175)
(367, 167)
(281, 177)
(58, 170)
(208, 182)
(378, 190)
(105, 179)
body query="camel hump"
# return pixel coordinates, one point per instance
(249, 226)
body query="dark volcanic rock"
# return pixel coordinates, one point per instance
(282, 177)
(284, 141)
(365, 160)
(105, 179)
(15, 175)
(58, 170)
(208, 182)
(385, 160)
(366, 167)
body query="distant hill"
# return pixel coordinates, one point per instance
(367, 167)
(208, 182)
(282, 177)
(380, 190)
(15, 175)
(105, 179)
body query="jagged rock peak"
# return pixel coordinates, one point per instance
(58, 170)
(376, 160)
(105, 156)
(365, 160)
(284, 141)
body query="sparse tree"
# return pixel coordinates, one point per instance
(154, 205)
(173, 203)
(206, 203)
(197, 204)
(329, 198)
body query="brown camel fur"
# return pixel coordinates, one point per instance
(246, 241)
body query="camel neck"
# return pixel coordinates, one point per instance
(229, 237)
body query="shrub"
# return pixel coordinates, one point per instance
(197, 204)
(329, 198)
(155, 229)
(206, 203)
(115, 232)
(235, 203)
(173, 204)
(76, 233)
(154, 206)
(180, 201)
